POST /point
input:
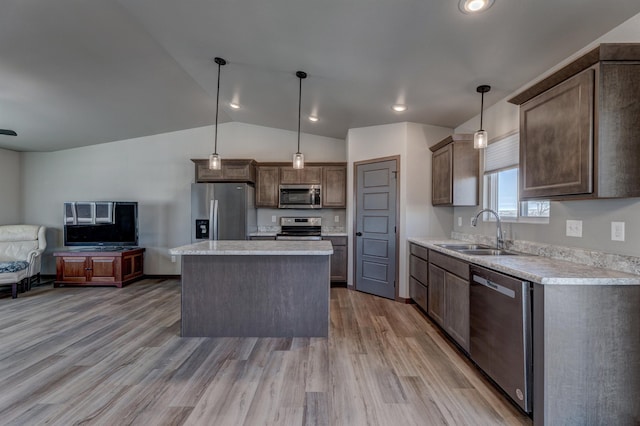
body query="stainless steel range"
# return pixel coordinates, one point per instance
(300, 228)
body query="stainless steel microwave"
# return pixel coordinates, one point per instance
(300, 197)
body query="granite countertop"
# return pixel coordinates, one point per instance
(255, 248)
(538, 269)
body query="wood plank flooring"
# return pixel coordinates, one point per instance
(106, 356)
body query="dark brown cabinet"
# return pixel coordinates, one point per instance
(332, 177)
(448, 296)
(267, 184)
(579, 128)
(338, 258)
(307, 175)
(418, 275)
(334, 186)
(455, 169)
(98, 268)
(231, 171)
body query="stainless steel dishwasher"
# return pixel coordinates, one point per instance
(500, 331)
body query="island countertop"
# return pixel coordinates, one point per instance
(255, 248)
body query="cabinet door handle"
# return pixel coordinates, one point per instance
(88, 269)
(359, 234)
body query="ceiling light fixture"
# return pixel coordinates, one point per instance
(215, 163)
(474, 6)
(298, 157)
(480, 137)
(234, 105)
(313, 118)
(399, 108)
(8, 132)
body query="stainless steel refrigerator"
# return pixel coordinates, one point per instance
(222, 211)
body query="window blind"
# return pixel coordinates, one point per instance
(502, 154)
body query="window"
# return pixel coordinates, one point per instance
(501, 183)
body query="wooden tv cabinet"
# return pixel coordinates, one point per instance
(98, 267)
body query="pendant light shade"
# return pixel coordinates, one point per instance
(298, 157)
(215, 163)
(480, 138)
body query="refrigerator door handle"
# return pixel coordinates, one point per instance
(214, 220)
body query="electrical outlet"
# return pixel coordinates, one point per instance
(273, 219)
(173, 259)
(574, 228)
(459, 221)
(617, 231)
(336, 219)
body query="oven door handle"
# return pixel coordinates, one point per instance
(493, 286)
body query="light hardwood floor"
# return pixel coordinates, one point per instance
(109, 356)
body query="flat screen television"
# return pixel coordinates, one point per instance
(103, 223)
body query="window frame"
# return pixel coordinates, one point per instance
(490, 187)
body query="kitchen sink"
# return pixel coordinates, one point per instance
(488, 252)
(477, 249)
(457, 246)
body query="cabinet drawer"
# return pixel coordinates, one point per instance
(418, 293)
(336, 241)
(419, 251)
(448, 263)
(419, 269)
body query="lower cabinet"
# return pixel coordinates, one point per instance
(448, 296)
(338, 258)
(418, 275)
(98, 268)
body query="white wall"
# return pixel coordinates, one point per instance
(10, 187)
(416, 216)
(596, 215)
(157, 172)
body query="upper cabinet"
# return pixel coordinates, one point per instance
(579, 128)
(231, 171)
(267, 184)
(306, 175)
(332, 177)
(334, 186)
(455, 168)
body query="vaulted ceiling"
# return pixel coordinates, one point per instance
(75, 73)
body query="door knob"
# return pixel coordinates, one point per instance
(359, 234)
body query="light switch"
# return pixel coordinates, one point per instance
(574, 228)
(273, 219)
(617, 231)
(459, 221)
(336, 219)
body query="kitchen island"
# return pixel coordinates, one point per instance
(255, 288)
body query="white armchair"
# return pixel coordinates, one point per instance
(21, 243)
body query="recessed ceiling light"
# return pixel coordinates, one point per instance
(313, 118)
(234, 105)
(399, 108)
(474, 6)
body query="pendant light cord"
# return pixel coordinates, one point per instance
(481, 108)
(299, 111)
(215, 146)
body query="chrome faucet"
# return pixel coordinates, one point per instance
(499, 239)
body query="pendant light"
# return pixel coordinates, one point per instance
(480, 137)
(215, 163)
(298, 157)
